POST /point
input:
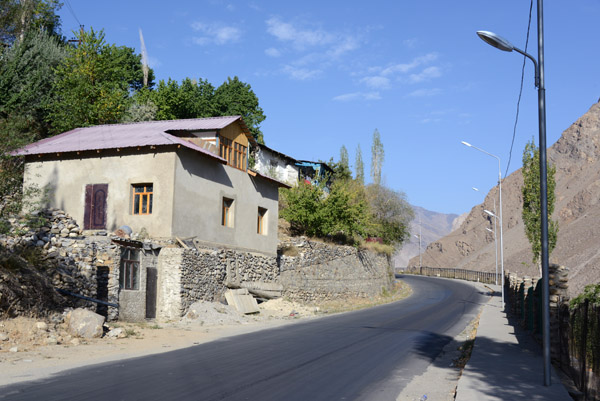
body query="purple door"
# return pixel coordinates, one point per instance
(94, 215)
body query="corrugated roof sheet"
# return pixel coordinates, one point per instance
(147, 133)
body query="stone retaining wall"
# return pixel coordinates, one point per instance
(71, 259)
(190, 275)
(323, 272)
(87, 264)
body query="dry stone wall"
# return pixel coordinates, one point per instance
(190, 275)
(323, 272)
(318, 272)
(87, 264)
(74, 262)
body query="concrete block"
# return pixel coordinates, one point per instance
(242, 301)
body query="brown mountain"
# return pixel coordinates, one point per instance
(576, 156)
(432, 226)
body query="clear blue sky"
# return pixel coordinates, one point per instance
(328, 73)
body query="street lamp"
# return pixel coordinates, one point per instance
(495, 239)
(500, 195)
(504, 45)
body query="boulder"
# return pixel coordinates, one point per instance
(84, 323)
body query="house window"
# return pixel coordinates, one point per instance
(261, 227)
(227, 213)
(142, 199)
(129, 269)
(233, 152)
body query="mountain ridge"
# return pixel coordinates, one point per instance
(576, 156)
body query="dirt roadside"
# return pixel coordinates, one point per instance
(31, 349)
(28, 350)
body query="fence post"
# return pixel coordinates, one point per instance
(583, 351)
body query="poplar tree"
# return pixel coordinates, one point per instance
(377, 155)
(359, 166)
(532, 215)
(344, 157)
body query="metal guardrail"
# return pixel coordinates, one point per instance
(460, 274)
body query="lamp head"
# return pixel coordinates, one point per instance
(490, 213)
(475, 189)
(497, 41)
(466, 143)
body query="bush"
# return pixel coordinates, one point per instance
(343, 214)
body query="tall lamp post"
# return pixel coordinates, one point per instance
(502, 279)
(500, 195)
(504, 45)
(495, 244)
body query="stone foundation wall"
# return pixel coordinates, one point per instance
(190, 275)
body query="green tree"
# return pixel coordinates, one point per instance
(344, 159)
(26, 78)
(191, 99)
(235, 97)
(531, 201)
(18, 17)
(93, 83)
(359, 166)
(343, 214)
(377, 156)
(302, 208)
(341, 171)
(391, 213)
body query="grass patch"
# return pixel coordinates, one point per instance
(289, 250)
(467, 347)
(378, 248)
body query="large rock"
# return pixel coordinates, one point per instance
(84, 323)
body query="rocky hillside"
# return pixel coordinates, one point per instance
(433, 226)
(576, 156)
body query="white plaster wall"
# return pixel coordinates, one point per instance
(284, 172)
(168, 302)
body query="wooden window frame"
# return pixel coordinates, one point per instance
(235, 153)
(137, 199)
(227, 212)
(261, 220)
(129, 269)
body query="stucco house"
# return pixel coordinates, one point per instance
(180, 178)
(285, 168)
(276, 165)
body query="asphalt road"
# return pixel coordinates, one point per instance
(365, 355)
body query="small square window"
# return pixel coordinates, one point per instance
(261, 226)
(227, 213)
(142, 199)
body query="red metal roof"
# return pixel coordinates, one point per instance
(114, 136)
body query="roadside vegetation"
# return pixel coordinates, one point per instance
(348, 211)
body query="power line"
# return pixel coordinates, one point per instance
(73, 12)
(520, 92)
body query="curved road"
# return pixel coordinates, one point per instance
(369, 354)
